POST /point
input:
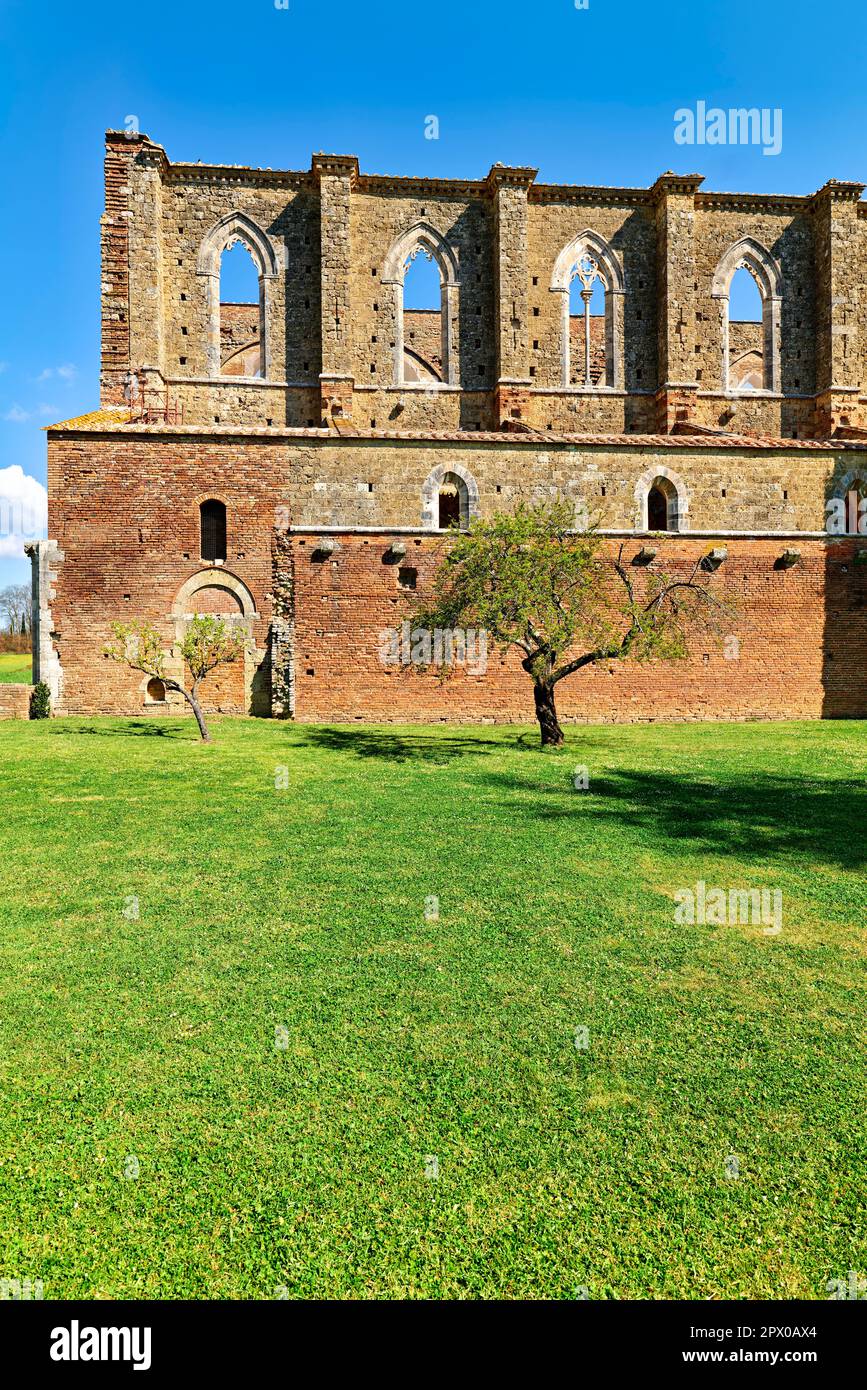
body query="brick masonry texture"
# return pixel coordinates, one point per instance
(14, 701)
(333, 436)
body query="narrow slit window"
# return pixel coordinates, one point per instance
(213, 530)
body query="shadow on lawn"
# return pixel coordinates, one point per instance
(131, 729)
(393, 747)
(752, 817)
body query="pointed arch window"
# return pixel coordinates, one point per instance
(422, 272)
(588, 278)
(237, 333)
(750, 358)
(212, 521)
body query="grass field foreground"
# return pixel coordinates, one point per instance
(16, 668)
(242, 1055)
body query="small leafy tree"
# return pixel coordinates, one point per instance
(208, 642)
(40, 701)
(535, 583)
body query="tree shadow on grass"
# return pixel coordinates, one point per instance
(753, 817)
(393, 747)
(134, 729)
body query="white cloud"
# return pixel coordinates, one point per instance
(45, 409)
(17, 415)
(68, 372)
(23, 510)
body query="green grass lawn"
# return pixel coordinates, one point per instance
(16, 668)
(301, 1160)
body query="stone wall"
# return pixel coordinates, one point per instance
(333, 318)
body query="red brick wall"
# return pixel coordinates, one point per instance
(802, 633)
(125, 515)
(124, 511)
(14, 701)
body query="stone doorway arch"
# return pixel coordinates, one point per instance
(218, 593)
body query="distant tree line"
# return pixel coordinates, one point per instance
(15, 617)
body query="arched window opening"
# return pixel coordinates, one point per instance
(156, 692)
(589, 280)
(587, 356)
(746, 332)
(454, 503)
(422, 318)
(421, 272)
(213, 530)
(748, 284)
(240, 312)
(663, 513)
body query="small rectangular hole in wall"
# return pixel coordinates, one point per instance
(535, 279)
(269, 422)
(307, 366)
(797, 382)
(638, 376)
(126, 598)
(535, 313)
(480, 372)
(479, 311)
(183, 361)
(407, 577)
(183, 297)
(603, 489)
(373, 338)
(180, 262)
(499, 489)
(785, 493)
(373, 367)
(373, 424)
(310, 671)
(536, 344)
(373, 270)
(184, 331)
(723, 492)
(216, 419)
(370, 487)
(376, 308)
(532, 371)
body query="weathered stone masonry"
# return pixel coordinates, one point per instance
(342, 443)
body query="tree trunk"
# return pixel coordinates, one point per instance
(192, 701)
(546, 713)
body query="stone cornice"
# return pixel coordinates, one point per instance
(838, 191)
(150, 154)
(675, 184)
(568, 193)
(754, 202)
(506, 176)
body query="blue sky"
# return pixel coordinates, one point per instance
(587, 95)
